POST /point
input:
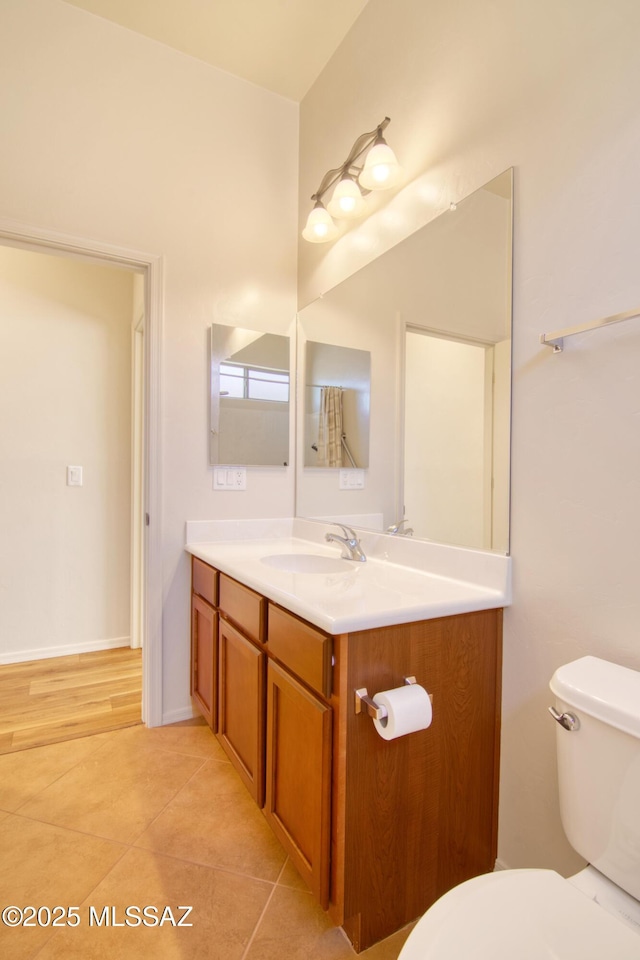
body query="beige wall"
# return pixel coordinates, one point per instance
(110, 136)
(550, 89)
(65, 399)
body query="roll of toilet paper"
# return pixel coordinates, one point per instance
(408, 709)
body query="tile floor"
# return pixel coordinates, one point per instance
(139, 817)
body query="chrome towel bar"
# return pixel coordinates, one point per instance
(555, 340)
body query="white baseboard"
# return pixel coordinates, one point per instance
(68, 649)
(175, 716)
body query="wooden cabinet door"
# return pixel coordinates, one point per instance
(241, 702)
(204, 658)
(298, 776)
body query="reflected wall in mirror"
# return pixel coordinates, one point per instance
(336, 406)
(456, 443)
(250, 374)
(435, 314)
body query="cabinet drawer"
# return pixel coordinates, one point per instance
(248, 610)
(204, 581)
(300, 647)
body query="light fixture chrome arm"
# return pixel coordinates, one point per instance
(350, 182)
(361, 145)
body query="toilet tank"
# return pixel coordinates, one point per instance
(599, 766)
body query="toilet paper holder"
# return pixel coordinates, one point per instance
(365, 702)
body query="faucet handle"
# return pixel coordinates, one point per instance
(395, 527)
(351, 545)
(348, 532)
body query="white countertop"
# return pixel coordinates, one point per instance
(362, 596)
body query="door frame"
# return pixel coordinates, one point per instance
(137, 480)
(16, 234)
(404, 327)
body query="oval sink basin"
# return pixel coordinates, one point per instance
(306, 563)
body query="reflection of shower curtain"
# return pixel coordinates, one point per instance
(330, 427)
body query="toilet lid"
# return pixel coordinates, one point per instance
(519, 915)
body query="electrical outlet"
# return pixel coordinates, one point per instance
(237, 478)
(351, 479)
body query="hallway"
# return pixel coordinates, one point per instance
(61, 698)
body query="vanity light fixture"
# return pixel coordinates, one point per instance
(320, 226)
(380, 170)
(347, 201)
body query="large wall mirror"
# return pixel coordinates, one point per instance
(250, 374)
(434, 315)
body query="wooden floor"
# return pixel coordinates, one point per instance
(45, 701)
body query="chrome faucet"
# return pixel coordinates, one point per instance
(351, 549)
(395, 528)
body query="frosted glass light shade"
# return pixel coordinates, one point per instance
(319, 227)
(347, 202)
(381, 168)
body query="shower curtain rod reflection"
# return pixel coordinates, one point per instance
(343, 440)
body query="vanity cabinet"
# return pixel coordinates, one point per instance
(299, 745)
(379, 829)
(241, 706)
(298, 798)
(415, 816)
(241, 681)
(204, 640)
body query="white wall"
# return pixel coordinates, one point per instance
(473, 88)
(65, 399)
(501, 446)
(111, 136)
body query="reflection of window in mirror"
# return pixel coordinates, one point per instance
(250, 374)
(251, 383)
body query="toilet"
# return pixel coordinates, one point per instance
(537, 914)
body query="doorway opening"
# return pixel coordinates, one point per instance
(82, 508)
(455, 439)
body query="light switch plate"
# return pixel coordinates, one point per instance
(229, 478)
(74, 476)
